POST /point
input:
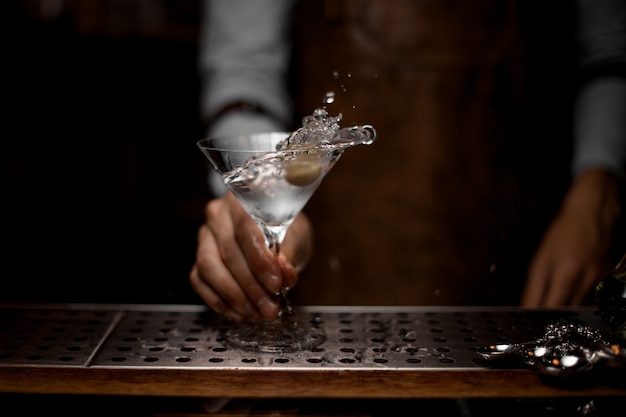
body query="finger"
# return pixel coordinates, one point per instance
(534, 288)
(289, 272)
(587, 285)
(565, 284)
(211, 298)
(259, 260)
(557, 291)
(218, 278)
(298, 245)
(241, 253)
(579, 293)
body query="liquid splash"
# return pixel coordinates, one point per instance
(320, 133)
(320, 130)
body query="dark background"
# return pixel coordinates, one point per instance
(102, 184)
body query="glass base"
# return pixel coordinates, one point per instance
(285, 334)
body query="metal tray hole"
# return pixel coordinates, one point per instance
(132, 339)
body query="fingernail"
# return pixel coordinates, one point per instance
(270, 281)
(267, 307)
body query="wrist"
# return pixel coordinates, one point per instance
(598, 191)
(243, 108)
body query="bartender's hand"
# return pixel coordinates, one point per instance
(234, 272)
(574, 253)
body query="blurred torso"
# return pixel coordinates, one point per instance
(443, 207)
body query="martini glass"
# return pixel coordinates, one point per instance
(273, 175)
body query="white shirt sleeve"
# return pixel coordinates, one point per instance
(244, 56)
(600, 110)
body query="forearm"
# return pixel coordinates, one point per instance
(244, 54)
(595, 191)
(600, 127)
(600, 109)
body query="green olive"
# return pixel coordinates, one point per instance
(303, 172)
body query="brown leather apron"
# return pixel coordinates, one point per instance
(432, 213)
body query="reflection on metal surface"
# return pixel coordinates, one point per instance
(191, 336)
(566, 348)
(611, 300)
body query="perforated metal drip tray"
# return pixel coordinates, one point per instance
(366, 352)
(145, 336)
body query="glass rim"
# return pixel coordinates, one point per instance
(204, 143)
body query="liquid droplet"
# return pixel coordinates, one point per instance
(329, 98)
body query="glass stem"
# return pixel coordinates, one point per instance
(274, 236)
